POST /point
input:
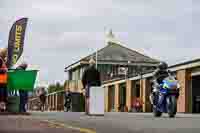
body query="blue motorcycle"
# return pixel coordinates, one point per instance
(166, 98)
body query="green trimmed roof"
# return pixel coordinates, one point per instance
(116, 53)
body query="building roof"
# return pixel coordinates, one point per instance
(115, 53)
(118, 53)
(185, 63)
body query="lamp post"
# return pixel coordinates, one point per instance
(96, 58)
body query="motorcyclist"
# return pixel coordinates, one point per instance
(41, 93)
(67, 100)
(159, 74)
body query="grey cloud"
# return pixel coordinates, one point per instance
(60, 33)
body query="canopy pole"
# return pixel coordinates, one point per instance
(96, 58)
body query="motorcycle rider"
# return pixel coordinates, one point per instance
(159, 74)
(68, 100)
(41, 93)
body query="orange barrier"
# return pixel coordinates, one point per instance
(3, 78)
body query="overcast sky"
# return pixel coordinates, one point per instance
(60, 32)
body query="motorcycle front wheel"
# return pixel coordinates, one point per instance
(156, 112)
(171, 106)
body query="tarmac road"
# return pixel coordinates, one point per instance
(27, 124)
(124, 122)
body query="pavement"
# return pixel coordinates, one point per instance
(70, 122)
(13, 113)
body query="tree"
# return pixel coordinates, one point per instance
(55, 87)
(51, 88)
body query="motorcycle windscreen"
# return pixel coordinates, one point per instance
(170, 84)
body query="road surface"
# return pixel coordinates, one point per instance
(27, 124)
(123, 122)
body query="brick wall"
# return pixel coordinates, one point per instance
(183, 103)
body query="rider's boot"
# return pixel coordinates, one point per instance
(151, 98)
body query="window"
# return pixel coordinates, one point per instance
(69, 75)
(73, 75)
(79, 73)
(115, 70)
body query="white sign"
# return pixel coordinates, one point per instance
(96, 102)
(122, 70)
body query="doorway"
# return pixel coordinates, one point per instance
(196, 94)
(111, 98)
(122, 97)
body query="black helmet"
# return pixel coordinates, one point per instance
(163, 66)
